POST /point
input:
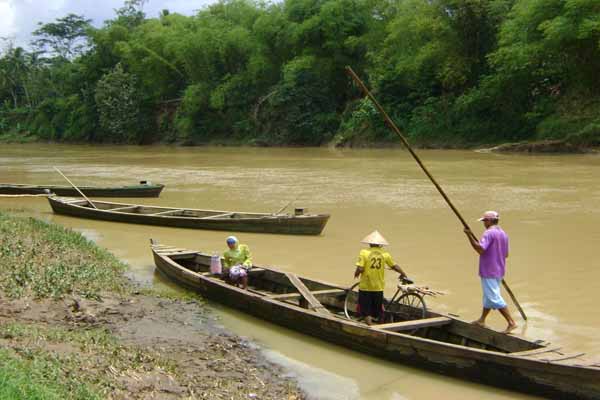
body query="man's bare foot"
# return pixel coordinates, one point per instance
(510, 328)
(479, 323)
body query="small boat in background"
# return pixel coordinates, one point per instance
(295, 224)
(143, 189)
(437, 342)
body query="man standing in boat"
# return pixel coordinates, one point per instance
(370, 268)
(493, 251)
(238, 260)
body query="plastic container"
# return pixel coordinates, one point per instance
(215, 265)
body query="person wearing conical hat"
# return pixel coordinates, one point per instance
(370, 267)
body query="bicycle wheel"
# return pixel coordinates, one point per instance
(350, 314)
(412, 306)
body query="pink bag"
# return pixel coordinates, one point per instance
(215, 265)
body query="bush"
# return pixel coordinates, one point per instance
(588, 136)
(118, 105)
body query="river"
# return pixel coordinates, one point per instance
(549, 206)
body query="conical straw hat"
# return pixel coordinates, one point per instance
(375, 238)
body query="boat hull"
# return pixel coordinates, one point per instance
(90, 191)
(295, 225)
(488, 367)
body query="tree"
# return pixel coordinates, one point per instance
(66, 38)
(553, 42)
(14, 69)
(131, 14)
(118, 106)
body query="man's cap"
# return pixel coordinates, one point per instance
(489, 215)
(232, 239)
(375, 238)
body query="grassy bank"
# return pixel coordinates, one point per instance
(34, 379)
(43, 260)
(73, 327)
(28, 370)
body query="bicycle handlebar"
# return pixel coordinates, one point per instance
(405, 280)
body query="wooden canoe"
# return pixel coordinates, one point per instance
(141, 190)
(191, 218)
(438, 342)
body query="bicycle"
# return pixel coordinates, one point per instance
(408, 303)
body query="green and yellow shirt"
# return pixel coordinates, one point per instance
(373, 262)
(239, 256)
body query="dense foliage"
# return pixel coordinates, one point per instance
(450, 72)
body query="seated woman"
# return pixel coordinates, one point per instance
(238, 260)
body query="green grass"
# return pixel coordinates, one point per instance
(172, 293)
(48, 261)
(87, 339)
(32, 377)
(82, 366)
(43, 260)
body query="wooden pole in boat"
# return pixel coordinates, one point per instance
(287, 205)
(394, 128)
(76, 188)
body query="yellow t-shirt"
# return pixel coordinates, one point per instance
(373, 261)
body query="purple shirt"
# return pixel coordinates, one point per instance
(492, 263)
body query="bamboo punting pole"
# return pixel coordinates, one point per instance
(287, 205)
(394, 128)
(76, 188)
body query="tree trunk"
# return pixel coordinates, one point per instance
(14, 96)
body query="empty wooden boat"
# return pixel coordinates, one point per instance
(143, 189)
(437, 342)
(192, 218)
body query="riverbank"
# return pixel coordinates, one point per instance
(72, 326)
(574, 144)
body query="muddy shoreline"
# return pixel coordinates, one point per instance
(72, 326)
(207, 361)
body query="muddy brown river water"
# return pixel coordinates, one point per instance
(549, 206)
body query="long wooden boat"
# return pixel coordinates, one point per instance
(192, 218)
(438, 342)
(141, 190)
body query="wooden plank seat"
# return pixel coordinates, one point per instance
(173, 250)
(166, 212)
(259, 292)
(564, 358)
(414, 324)
(123, 208)
(218, 216)
(291, 296)
(533, 352)
(255, 271)
(183, 255)
(308, 296)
